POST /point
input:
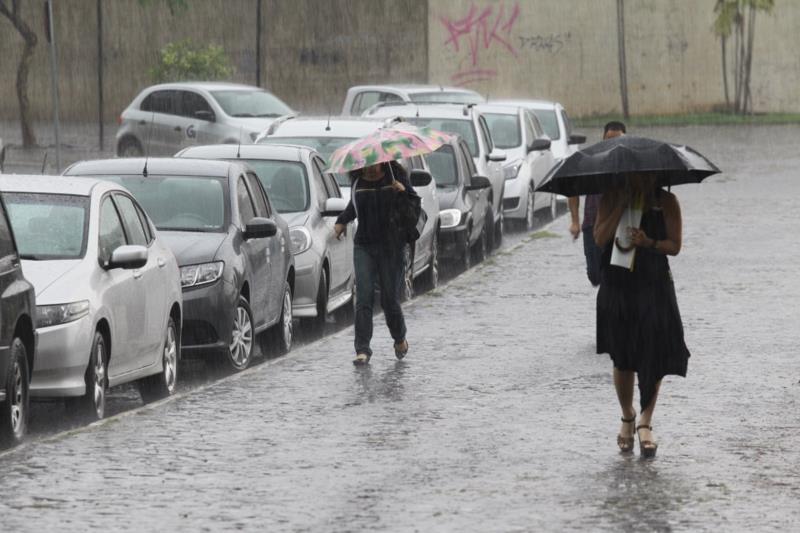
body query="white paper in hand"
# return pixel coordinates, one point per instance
(623, 252)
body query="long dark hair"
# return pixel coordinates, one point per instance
(393, 167)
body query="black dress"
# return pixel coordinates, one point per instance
(638, 321)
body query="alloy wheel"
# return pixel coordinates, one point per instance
(99, 382)
(434, 266)
(408, 277)
(553, 206)
(170, 359)
(530, 213)
(287, 327)
(242, 338)
(17, 400)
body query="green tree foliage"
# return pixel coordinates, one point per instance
(183, 61)
(737, 19)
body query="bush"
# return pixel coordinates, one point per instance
(183, 61)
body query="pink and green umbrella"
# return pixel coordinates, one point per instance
(387, 144)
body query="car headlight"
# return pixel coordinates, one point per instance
(202, 274)
(301, 239)
(511, 171)
(53, 315)
(449, 218)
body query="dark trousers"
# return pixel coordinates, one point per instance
(593, 255)
(382, 264)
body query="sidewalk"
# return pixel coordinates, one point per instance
(502, 417)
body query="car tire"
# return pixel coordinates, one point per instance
(466, 254)
(553, 206)
(284, 329)
(161, 385)
(14, 410)
(530, 211)
(129, 147)
(92, 405)
(430, 279)
(316, 325)
(240, 350)
(481, 248)
(408, 273)
(499, 230)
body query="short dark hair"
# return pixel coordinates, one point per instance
(614, 125)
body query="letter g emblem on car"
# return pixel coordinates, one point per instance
(190, 131)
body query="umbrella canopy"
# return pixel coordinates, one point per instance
(387, 144)
(604, 166)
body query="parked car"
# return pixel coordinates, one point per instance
(236, 267)
(517, 131)
(471, 125)
(164, 118)
(362, 97)
(325, 135)
(308, 199)
(466, 214)
(107, 290)
(17, 337)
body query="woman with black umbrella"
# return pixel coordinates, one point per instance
(638, 322)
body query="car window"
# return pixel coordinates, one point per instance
(549, 121)
(471, 170)
(487, 139)
(253, 103)
(567, 124)
(333, 187)
(447, 98)
(319, 183)
(505, 130)
(365, 100)
(538, 130)
(192, 102)
(6, 242)
(443, 166)
(258, 195)
(49, 226)
(530, 131)
(148, 230)
(463, 127)
(161, 102)
(133, 225)
(286, 183)
(246, 210)
(112, 236)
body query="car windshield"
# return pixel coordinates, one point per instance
(443, 166)
(504, 129)
(547, 118)
(286, 183)
(179, 203)
(463, 127)
(445, 97)
(324, 145)
(49, 226)
(250, 104)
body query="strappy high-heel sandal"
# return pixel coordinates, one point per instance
(646, 447)
(361, 359)
(626, 443)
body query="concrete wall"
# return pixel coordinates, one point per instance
(312, 50)
(567, 50)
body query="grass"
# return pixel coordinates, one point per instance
(541, 235)
(715, 118)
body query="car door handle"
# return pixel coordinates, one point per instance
(137, 274)
(178, 128)
(161, 263)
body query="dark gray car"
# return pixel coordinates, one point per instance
(237, 271)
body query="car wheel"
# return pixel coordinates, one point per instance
(92, 405)
(466, 254)
(430, 279)
(240, 351)
(284, 329)
(316, 326)
(482, 246)
(129, 147)
(163, 384)
(14, 410)
(408, 272)
(499, 229)
(553, 206)
(530, 210)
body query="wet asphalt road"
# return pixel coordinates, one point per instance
(501, 418)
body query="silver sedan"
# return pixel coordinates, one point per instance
(108, 290)
(308, 199)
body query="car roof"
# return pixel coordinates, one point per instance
(162, 166)
(411, 110)
(205, 86)
(327, 127)
(533, 104)
(282, 152)
(500, 109)
(54, 184)
(413, 88)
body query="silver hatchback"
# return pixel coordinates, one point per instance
(108, 290)
(162, 119)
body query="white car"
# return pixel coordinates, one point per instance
(325, 135)
(108, 290)
(164, 118)
(362, 97)
(517, 131)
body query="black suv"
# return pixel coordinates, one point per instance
(17, 338)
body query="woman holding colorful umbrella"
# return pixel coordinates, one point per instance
(381, 195)
(638, 225)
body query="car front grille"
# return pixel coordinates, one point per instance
(510, 203)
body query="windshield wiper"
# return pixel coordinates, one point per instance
(243, 115)
(270, 115)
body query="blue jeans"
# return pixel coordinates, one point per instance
(382, 264)
(594, 255)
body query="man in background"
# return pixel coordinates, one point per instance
(592, 252)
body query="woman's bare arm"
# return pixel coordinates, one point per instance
(608, 215)
(674, 225)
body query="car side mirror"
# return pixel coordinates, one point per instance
(421, 178)
(128, 257)
(208, 116)
(259, 228)
(496, 155)
(478, 183)
(539, 145)
(576, 139)
(334, 207)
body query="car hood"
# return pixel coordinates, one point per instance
(191, 248)
(250, 125)
(295, 219)
(43, 274)
(447, 197)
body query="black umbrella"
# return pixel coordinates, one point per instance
(604, 165)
